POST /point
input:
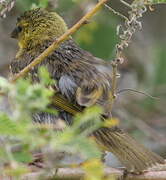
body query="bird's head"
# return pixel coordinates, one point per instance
(36, 26)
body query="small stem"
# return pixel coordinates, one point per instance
(115, 12)
(114, 78)
(125, 3)
(114, 83)
(136, 91)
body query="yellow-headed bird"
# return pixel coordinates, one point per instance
(82, 80)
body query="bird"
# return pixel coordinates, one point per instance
(82, 80)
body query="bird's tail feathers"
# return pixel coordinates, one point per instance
(134, 156)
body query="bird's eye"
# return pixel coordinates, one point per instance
(16, 32)
(19, 28)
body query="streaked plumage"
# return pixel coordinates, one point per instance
(82, 79)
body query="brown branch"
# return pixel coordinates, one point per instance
(116, 174)
(115, 75)
(57, 42)
(114, 78)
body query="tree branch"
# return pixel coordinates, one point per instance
(77, 173)
(57, 42)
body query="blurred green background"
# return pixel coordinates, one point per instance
(144, 68)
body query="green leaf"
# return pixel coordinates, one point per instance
(22, 156)
(9, 127)
(45, 76)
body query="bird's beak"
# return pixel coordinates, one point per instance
(14, 33)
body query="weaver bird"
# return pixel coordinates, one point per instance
(82, 81)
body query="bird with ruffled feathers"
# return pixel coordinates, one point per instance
(82, 80)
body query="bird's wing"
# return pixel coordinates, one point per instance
(60, 102)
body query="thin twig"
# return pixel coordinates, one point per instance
(57, 42)
(131, 24)
(115, 12)
(114, 78)
(125, 3)
(115, 75)
(136, 91)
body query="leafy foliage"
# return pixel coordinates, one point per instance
(22, 136)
